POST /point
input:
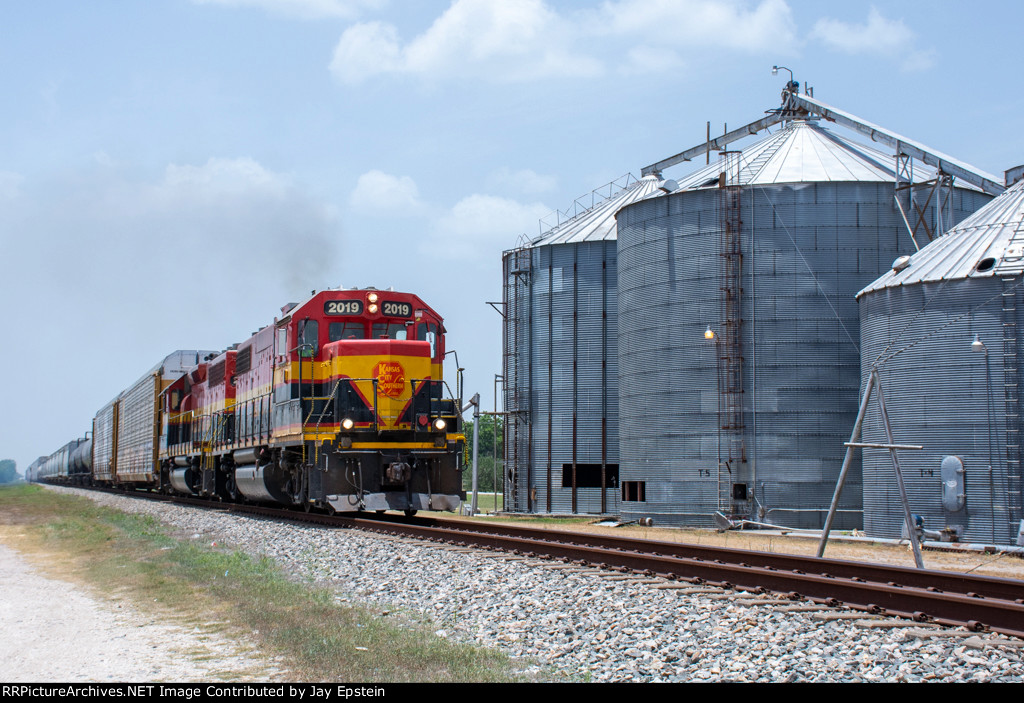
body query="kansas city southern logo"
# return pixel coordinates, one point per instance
(390, 378)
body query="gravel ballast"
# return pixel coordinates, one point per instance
(594, 626)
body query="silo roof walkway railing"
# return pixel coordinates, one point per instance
(796, 106)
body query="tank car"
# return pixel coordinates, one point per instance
(67, 465)
(32, 472)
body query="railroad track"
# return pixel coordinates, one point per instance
(978, 602)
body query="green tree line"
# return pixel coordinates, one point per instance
(8, 472)
(491, 451)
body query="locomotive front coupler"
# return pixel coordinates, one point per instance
(398, 472)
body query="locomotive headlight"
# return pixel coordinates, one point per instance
(439, 424)
(372, 297)
(347, 423)
(372, 307)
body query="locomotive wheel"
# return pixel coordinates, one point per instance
(230, 488)
(409, 512)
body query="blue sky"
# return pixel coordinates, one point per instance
(173, 171)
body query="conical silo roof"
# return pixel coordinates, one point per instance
(803, 152)
(597, 223)
(988, 243)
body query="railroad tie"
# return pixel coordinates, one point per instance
(893, 623)
(832, 615)
(971, 639)
(981, 643)
(687, 589)
(763, 601)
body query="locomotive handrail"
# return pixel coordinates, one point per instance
(440, 413)
(323, 411)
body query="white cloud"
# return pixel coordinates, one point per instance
(696, 23)
(222, 222)
(478, 227)
(510, 40)
(303, 9)
(515, 39)
(522, 40)
(524, 181)
(878, 36)
(365, 50)
(518, 40)
(382, 192)
(481, 226)
(218, 176)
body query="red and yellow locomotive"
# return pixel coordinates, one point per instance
(340, 404)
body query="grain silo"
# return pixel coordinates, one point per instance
(738, 325)
(942, 328)
(560, 359)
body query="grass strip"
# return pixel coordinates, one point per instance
(299, 624)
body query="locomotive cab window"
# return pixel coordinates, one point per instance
(308, 338)
(389, 330)
(428, 332)
(282, 341)
(346, 330)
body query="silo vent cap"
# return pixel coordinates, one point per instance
(901, 263)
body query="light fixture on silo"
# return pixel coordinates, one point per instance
(709, 333)
(978, 345)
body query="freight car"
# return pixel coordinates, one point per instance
(339, 404)
(66, 465)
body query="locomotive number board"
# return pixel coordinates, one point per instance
(395, 309)
(343, 307)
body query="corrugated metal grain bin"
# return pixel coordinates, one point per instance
(943, 331)
(138, 419)
(561, 389)
(738, 327)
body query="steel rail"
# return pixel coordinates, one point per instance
(978, 602)
(920, 603)
(987, 586)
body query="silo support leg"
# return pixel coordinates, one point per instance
(847, 460)
(911, 532)
(852, 445)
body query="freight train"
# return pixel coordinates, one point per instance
(338, 405)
